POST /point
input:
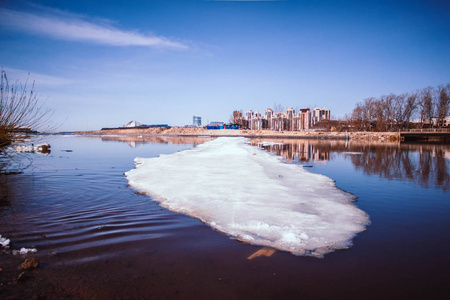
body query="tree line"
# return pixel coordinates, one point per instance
(396, 112)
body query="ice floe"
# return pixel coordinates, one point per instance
(4, 242)
(264, 144)
(253, 196)
(41, 148)
(24, 251)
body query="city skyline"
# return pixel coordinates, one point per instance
(101, 64)
(280, 120)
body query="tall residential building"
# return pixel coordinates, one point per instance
(319, 114)
(249, 115)
(279, 121)
(197, 121)
(305, 118)
(268, 114)
(256, 121)
(290, 114)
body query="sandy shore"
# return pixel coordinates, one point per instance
(183, 131)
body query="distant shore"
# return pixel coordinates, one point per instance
(196, 132)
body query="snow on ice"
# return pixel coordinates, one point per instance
(24, 251)
(253, 196)
(4, 242)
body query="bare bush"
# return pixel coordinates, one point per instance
(20, 110)
(442, 104)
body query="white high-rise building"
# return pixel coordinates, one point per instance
(319, 114)
(304, 116)
(280, 121)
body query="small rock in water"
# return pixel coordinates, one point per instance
(30, 263)
(43, 148)
(22, 277)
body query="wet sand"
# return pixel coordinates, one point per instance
(175, 270)
(196, 132)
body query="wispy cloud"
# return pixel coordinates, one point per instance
(76, 28)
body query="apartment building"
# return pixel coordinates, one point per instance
(279, 121)
(319, 114)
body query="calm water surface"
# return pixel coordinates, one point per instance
(97, 238)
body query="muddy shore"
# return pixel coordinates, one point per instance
(195, 132)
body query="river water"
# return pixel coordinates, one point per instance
(96, 238)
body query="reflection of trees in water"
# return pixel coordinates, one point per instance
(15, 163)
(442, 175)
(385, 161)
(424, 164)
(4, 192)
(13, 189)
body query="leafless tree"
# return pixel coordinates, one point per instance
(20, 110)
(380, 114)
(425, 103)
(364, 114)
(277, 107)
(442, 105)
(410, 107)
(369, 112)
(356, 118)
(399, 111)
(389, 105)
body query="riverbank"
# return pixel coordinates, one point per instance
(194, 132)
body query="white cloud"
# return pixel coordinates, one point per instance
(74, 28)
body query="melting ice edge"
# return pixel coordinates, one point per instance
(252, 195)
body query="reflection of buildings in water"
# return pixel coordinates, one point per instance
(133, 144)
(304, 152)
(301, 150)
(135, 141)
(319, 155)
(425, 164)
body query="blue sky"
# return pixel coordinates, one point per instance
(104, 63)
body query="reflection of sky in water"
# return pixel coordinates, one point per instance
(78, 188)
